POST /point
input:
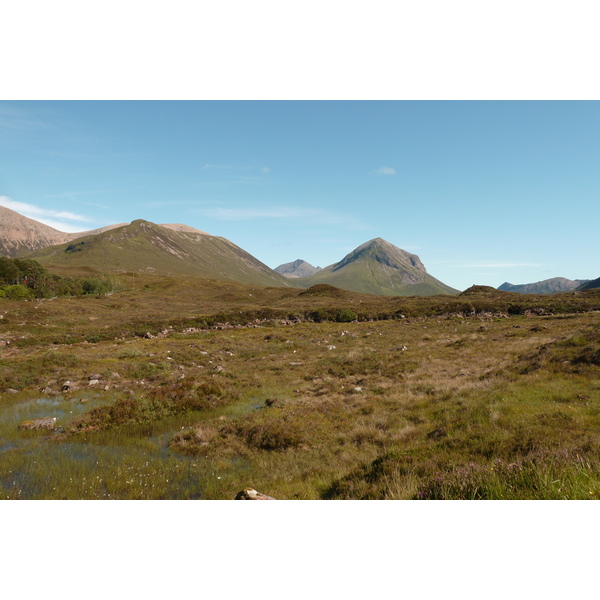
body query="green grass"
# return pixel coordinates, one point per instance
(443, 403)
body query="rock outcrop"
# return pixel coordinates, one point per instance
(47, 423)
(252, 494)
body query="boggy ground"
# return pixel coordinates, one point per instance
(489, 405)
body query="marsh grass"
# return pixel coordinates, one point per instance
(439, 404)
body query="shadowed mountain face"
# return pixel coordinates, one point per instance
(590, 285)
(548, 286)
(298, 268)
(163, 250)
(378, 267)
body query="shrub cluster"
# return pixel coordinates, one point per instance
(27, 279)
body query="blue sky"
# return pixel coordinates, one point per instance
(484, 192)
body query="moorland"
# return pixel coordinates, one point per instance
(180, 388)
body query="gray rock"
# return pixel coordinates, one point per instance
(252, 494)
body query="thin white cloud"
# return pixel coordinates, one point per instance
(62, 226)
(245, 214)
(59, 219)
(386, 171)
(314, 216)
(497, 265)
(21, 120)
(237, 168)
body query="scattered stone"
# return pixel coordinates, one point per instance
(48, 423)
(294, 364)
(331, 347)
(12, 391)
(218, 368)
(402, 348)
(96, 376)
(94, 382)
(115, 376)
(357, 389)
(252, 494)
(69, 386)
(148, 336)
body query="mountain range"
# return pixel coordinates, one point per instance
(548, 286)
(376, 267)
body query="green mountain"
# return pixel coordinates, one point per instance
(175, 250)
(548, 286)
(378, 267)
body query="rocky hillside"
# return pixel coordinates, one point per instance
(19, 234)
(378, 267)
(298, 268)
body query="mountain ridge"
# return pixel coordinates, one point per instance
(378, 267)
(553, 285)
(296, 269)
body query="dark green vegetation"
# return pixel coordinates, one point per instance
(378, 267)
(184, 388)
(27, 279)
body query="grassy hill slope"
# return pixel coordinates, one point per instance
(146, 247)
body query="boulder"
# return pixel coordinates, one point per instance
(252, 494)
(48, 423)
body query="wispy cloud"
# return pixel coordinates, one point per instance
(246, 214)
(59, 219)
(314, 216)
(497, 265)
(386, 171)
(18, 119)
(208, 166)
